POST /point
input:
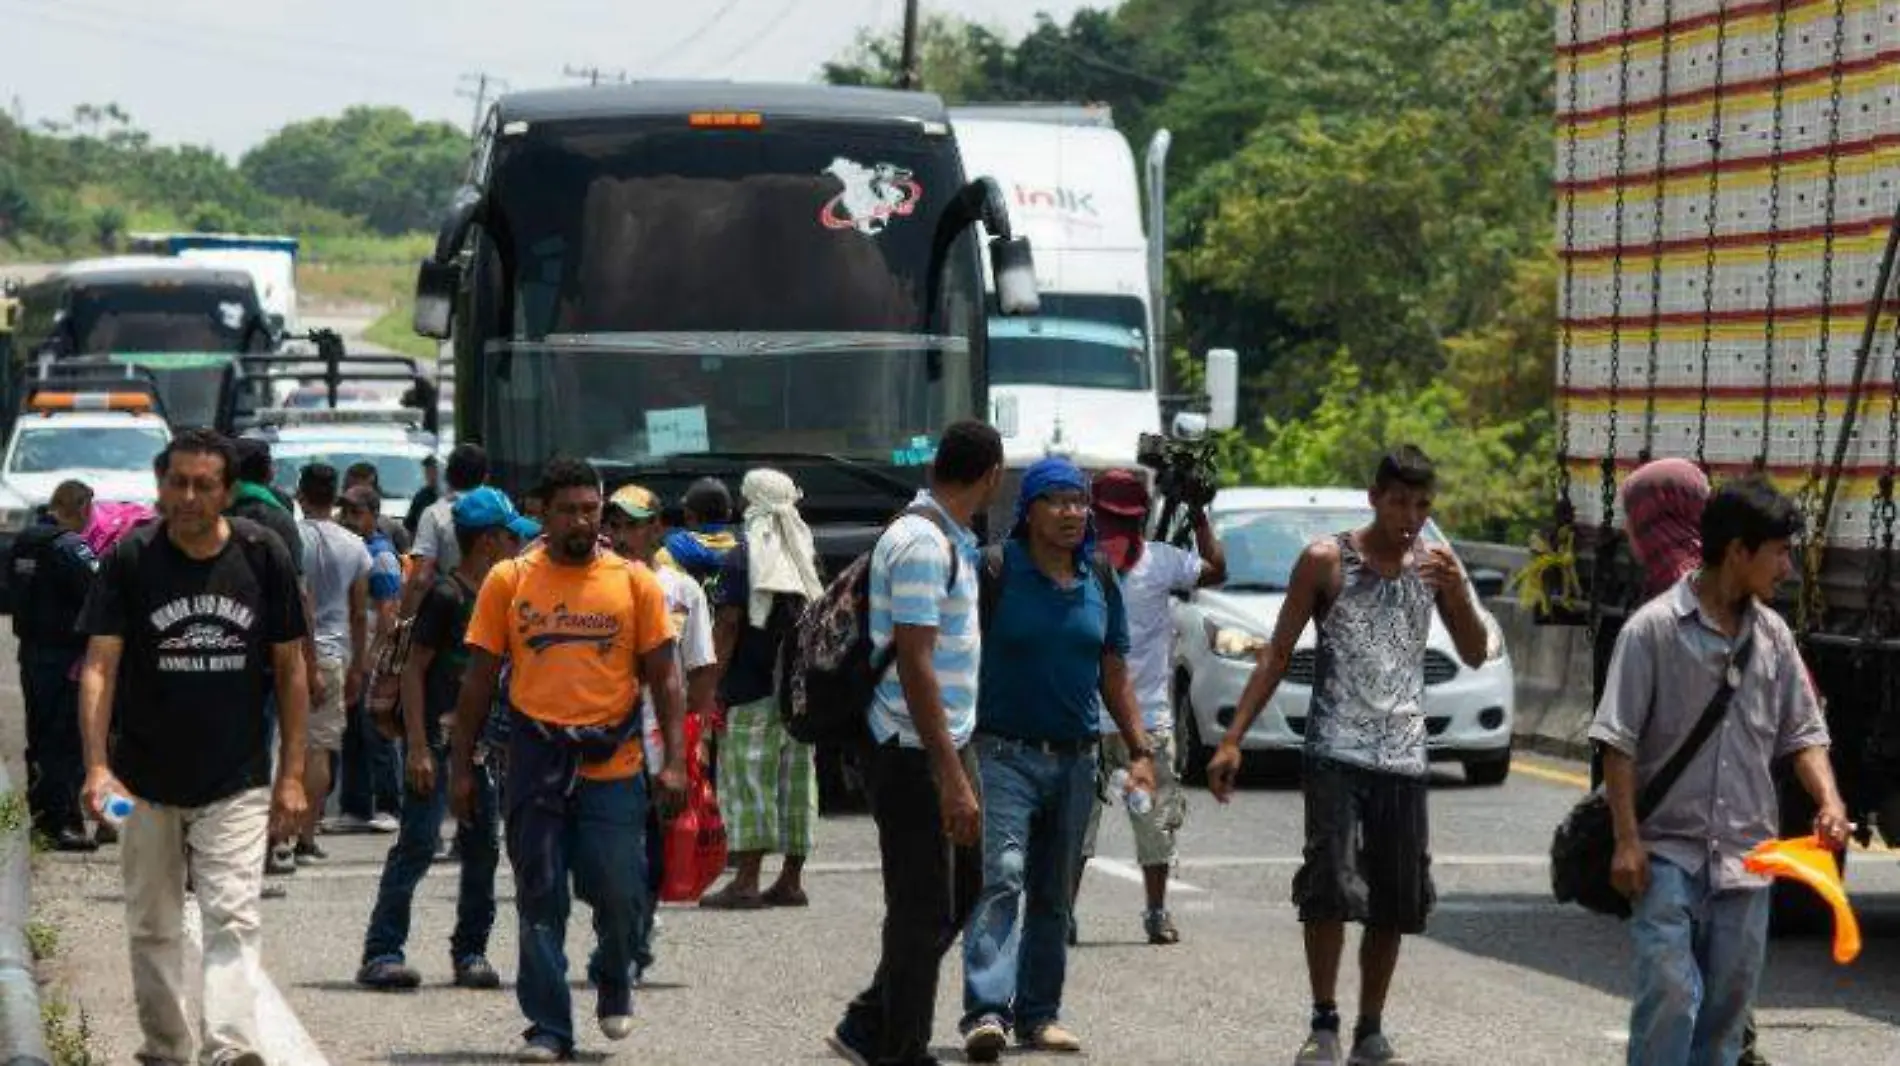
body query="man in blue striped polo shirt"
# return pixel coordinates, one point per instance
(923, 772)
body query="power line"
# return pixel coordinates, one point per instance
(692, 38)
(765, 31)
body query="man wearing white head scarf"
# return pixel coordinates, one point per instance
(768, 784)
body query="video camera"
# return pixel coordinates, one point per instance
(1183, 463)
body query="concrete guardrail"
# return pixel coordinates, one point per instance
(22, 1031)
(1552, 663)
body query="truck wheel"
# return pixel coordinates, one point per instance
(1795, 910)
(1190, 754)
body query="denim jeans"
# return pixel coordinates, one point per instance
(479, 843)
(55, 761)
(369, 778)
(1015, 950)
(1699, 955)
(604, 851)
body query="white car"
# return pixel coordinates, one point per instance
(111, 450)
(344, 437)
(1219, 631)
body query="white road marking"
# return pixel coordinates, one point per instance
(1128, 871)
(285, 1041)
(1241, 862)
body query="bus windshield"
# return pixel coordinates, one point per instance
(651, 225)
(633, 399)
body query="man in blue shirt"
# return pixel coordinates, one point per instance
(1056, 652)
(923, 774)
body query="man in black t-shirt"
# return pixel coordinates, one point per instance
(431, 683)
(191, 619)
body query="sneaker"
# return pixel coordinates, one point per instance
(850, 1044)
(73, 841)
(542, 1049)
(1052, 1037)
(1374, 1050)
(614, 1010)
(384, 822)
(476, 972)
(1160, 926)
(237, 1058)
(388, 975)
(281, 861)
(1320, 1049)
(309, 854)
(985, 1041)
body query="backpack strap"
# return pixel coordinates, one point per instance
(989, 587)
(1111, 588)
(938, 519)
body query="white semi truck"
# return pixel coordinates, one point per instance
(1085, 376)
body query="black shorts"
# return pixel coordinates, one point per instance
(1368, 848)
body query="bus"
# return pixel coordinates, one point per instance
(681, 279)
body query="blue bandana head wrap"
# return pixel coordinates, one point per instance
(1054, 474)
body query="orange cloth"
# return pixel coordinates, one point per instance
(1807, 860)
(574, 636)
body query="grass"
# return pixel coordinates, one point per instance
(68, 1033)
(42, 939)
(393, 330)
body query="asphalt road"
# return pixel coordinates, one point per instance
(1504, 975)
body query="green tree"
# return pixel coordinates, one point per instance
(377, 163)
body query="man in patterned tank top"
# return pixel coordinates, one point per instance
(1371, 593)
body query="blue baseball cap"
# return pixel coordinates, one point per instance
(490, 508)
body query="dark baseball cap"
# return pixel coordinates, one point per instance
(709, 499)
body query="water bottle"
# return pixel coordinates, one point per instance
(116, 809)
(1138, 800)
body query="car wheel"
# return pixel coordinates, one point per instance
(1190, 755)
(1488, 771)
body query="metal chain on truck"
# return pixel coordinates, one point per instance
(1606, 523)
(1659, 198)
(1881, 612)
(1778, 132)
(1567, 341)
(1809, 607)
(1711, 213)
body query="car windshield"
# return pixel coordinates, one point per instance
(57, 448)
(656, 226)
(1081, 341)
(162, 316)
(1263, 545)
(398, 477)
(868, 397)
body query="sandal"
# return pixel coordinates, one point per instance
(731, 899)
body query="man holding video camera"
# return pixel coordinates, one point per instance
(1152, 572)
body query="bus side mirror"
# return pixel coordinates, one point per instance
(435, 298)
(1223, 387)
(1015, 270)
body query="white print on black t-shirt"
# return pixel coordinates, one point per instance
(203, 623)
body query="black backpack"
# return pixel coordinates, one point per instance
(829, 673)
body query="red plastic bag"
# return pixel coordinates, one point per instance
(695, 847)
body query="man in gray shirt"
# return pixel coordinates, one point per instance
(1700, 925)
(336, 566)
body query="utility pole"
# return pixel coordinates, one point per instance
(908, 78)
(592, 75)
(483, 81)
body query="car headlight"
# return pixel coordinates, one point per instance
(1494, 648)
(1229, 642)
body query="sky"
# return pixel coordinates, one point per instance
(226, 73)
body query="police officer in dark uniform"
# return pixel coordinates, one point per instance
(51, 570)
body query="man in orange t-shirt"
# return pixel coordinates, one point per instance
(581, 628)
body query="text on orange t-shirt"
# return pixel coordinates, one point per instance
(574, 636)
